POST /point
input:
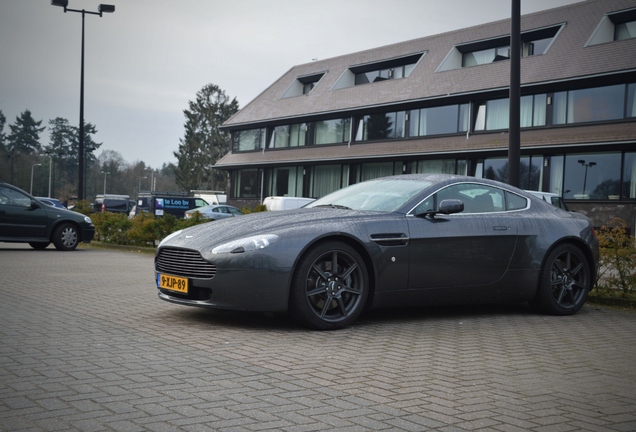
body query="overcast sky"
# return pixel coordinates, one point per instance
(144, 62)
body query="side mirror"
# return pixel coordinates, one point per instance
(34, 205)
(450, 206)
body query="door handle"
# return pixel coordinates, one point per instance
(500, 228)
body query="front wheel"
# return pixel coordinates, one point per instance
(565, 281)
(65, 237)
(330, 287)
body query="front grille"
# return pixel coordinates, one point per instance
(185, 263)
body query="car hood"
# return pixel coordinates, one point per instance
(215, 233)
(63, 213)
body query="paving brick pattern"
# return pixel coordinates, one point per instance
(86, 345)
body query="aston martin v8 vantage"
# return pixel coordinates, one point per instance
(418, 239)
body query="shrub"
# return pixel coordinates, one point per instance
(111, 227)
(617, 262)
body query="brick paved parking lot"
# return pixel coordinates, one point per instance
(85, 344)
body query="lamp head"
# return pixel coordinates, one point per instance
(105, 8)
(61, 3)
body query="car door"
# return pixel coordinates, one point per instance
(471, 248)
(18, 218)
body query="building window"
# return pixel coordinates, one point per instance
(368, 171)
(534, 42)
(439, 120)
(332, 131)
(248, 140)
(592, 176)
(441, 166)
(495, 114)
(615, 27)
(391, 69)
(381, 126)
(385, 70)
(286, 181)
(588, 105)
(629, 176)
(325, 179)
(246, 183)
(303, 85)
(530, 171)
(631, 101)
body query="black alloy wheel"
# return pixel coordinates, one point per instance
(565, 281)
(330, 287)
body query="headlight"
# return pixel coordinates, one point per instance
(88, 220)
(246, 244)
(168, 237)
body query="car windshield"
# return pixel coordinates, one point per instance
(383, 195)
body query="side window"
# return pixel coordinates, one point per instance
(12, 197)
(477, 198)
(515, 202)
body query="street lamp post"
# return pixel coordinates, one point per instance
(139, 188)
(103, 8)
(32, 167)
(105, 174)
(50, 171)
(152, 178)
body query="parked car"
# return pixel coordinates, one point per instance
(162, 203)
(214, 212)
(25, 219)
(407, 240)
(551, 198)
(113, 203)
(51, 201)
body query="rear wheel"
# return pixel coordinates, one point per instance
(330, 288)
(39, 245)
(65, 237)
(565, 281)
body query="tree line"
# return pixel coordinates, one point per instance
(28, 163)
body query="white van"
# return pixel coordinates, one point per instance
(274, 203)
(552, 198)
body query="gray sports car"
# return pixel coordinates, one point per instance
(396, 241)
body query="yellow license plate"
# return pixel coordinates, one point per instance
(172, 283)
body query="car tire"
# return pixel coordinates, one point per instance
(564, 283)
(65, 237)
(326, 299)
(39, 245)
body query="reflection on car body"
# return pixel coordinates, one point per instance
(396, 241)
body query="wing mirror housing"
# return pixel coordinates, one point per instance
(447, 206)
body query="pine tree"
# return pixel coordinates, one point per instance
(204, 143)
(25, 134)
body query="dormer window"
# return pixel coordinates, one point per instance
(534, 42)
(303, 85)
(615, 27)
(396, 68)
(387, 70)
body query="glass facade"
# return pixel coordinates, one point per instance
(588, 105)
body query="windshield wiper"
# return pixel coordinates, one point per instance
(336, 206)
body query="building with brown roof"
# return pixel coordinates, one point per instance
(440, 104)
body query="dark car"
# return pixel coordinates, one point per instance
(163, 203)
(396, 241)
(113, 203)
(214, 212)
(24, 219)
(54, 202)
